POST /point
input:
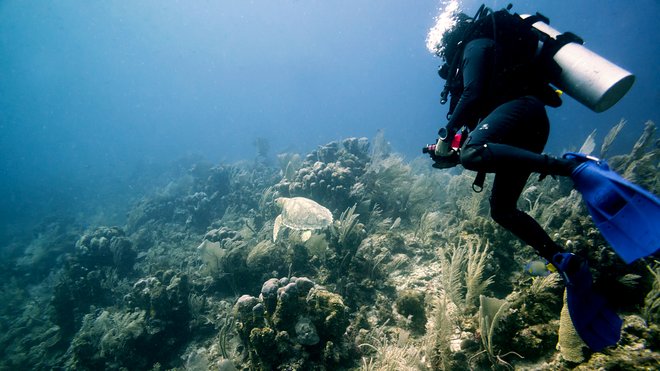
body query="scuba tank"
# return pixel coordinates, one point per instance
(586, 76)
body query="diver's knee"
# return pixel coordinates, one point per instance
(474, 157)
(498, 216)
(502, 215)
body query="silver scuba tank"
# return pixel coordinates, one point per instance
(586, 76)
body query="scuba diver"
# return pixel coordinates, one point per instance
(498, 68)
(503, 108)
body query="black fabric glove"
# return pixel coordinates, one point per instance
(445, 162)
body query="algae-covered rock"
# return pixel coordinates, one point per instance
(303, 285)
(289, 304)
(328, 312)
(223, 235)
(267, 256)
(106, 247)
(192, 201)
(637, 349)
(244, 315)
(410, 304)
(90, 275)
(225, 253)
(306, 333)
(535, 341)
(532, 331)
(269, 294)
(164, 298)
(297, 319)
(385, 263)
(264, 345)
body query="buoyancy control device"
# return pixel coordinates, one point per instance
(580, 73)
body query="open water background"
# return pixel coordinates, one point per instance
(102, 100)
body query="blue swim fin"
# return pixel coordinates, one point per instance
(597, 324)
(626, 215)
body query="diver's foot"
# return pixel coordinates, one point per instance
(574, 159)
(561, 166)
(571, 267)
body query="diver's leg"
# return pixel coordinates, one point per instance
(493, 157)
(507, 187)
(509, 136)
(509, 142)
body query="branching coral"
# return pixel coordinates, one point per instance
(532, 196)
(427, 226)
(452, 274)
(641, 165)
(392, 350)
(108, 340)
(651, 310)
(474, 281)
(609, 138)
(443, 328)
(406, 357)
(471, 206)
(462, 274)
(377, 222)
(289, 164)
(345, 228)
(388, 183)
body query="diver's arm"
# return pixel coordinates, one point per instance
(476, 68)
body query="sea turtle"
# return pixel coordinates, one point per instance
(301, 214)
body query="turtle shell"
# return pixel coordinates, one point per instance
(301, 213)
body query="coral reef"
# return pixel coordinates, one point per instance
(154, 323)
(409, 273)
(91, 275)
(329, 174)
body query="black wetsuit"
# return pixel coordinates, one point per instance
(509, 128)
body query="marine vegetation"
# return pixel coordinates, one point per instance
(346, 258)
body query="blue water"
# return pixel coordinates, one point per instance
(97, 97)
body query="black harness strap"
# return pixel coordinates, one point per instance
(478, 184)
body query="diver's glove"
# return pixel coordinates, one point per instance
(445, 162)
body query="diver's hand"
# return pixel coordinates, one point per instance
(443, 148)
(445, 162)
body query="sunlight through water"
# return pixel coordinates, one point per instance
(445, 20)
